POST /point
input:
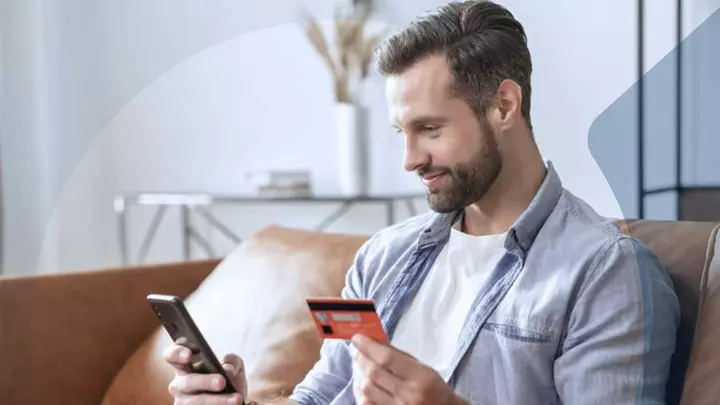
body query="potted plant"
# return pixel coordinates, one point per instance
(348, 57)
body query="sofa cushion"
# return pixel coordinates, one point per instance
(252, 304)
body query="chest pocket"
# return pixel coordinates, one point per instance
(519, 333)
(528, 330)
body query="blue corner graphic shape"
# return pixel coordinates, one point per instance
(613, 136)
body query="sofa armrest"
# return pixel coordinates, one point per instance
(64, 336)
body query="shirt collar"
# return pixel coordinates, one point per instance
(522, 233)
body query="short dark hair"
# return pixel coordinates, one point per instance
(482, 41)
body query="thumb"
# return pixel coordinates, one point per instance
(235, 367)
(233, 364)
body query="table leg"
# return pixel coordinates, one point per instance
(390, 212)
(213, 221)
(186, 231)
(121, 219)
(204, 244)
(334, 216)
(410, 207)
(150, 234)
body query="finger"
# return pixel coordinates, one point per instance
(178, 356)
(229, 369)
(360, 397)
(365, 401)
(235, 367)
(387, 356)
(377, 376)
(376, 395)
(194, 383)
(233, 364)
(210, 399)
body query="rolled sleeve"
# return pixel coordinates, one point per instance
(621, 331)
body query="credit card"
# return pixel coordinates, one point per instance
(338, 318)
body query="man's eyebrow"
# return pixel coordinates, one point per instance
(424, 120)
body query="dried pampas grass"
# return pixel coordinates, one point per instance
(349, 57)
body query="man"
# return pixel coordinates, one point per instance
(513, 291)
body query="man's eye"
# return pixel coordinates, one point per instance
(429, 128)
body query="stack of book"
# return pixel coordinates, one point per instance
(282, 183)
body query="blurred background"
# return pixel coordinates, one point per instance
(148, 131)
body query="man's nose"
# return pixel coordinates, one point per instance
(415, 157)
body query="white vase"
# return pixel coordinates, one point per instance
(351, 126)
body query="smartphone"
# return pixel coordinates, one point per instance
(178, 323)
(339, 318)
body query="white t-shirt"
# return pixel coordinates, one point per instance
(430, 326)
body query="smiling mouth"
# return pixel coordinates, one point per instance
(428, 176)
(431, 181)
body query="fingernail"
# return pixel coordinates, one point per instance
(233, 400)
(230, 368)
(217, 383)
(184, 354)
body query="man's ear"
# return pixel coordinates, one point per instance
(508, 102)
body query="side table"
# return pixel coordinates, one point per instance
(200, 202)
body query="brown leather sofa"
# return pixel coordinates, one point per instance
(89, 338)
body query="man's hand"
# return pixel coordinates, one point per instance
(389, 376)
(202, 389)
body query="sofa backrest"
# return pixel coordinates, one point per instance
(685, 249)
(253, 304)
(702, 384)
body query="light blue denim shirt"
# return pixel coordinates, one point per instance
(575, 312)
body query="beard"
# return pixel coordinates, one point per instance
(468, 181)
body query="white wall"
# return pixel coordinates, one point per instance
(100, 98)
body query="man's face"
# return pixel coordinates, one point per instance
(454, 153)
